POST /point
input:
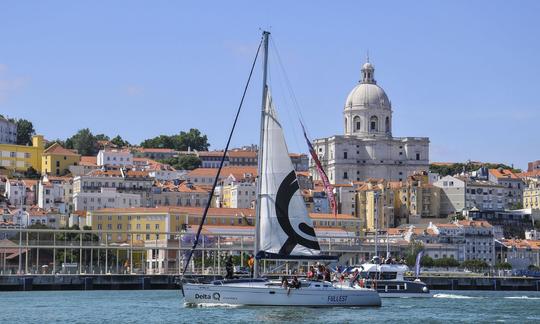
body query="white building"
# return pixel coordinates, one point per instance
(15, 192)
(475, 239)
(54, 193)
(114, 157)
(8, 131)
(368, 149)
(106, 198)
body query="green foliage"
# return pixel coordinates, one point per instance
(31, 173)
(445, 262)
(426, 261)
(503, 266)
(84, 142)
(118, 141)
(475, 264)
(412, 252)
(102, 137)
(456, 168)
(181, 142)
(25, 131)
(532, 267)
(183, 162)
(59, 141)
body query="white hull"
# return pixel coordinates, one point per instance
(262, 294)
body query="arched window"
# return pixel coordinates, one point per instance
(356, 123)
(374, 124)
(346, 125)
(387, 124)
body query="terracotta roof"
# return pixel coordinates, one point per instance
(447, 225)
(88, 160)
(237, 171)
(503, 174)
(474, 223)
(296, 155)
(57, 149)
(155, 150)
(534, 173)
(331, 216)
(188, 210)
(242, 154)
(210, 153)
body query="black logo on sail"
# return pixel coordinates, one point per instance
(286, 190)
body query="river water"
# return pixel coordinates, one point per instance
(166, 306)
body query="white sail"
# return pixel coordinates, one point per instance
(286, 230)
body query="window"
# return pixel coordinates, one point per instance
(387, 124)
(417, 156)
(357, 123)
(345, 175)
(345, 155)
(147, 226)
(373, 122)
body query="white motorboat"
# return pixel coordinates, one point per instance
(284, 231)
(389, 280)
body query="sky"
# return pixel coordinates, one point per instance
(466, 74)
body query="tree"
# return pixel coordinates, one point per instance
(181, 142)
(84, 142)
(503, 266)
(414, 248)
(193, 139)
(475, 265)
(445, 262)
(183, 162)
(59, 141)
(25, 131)
(118, 141)
(31, 173)
(102, 137)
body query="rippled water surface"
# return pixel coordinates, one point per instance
(166, 306)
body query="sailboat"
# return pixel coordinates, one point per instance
(284, 231)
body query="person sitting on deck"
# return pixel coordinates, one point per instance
(311, 273)
(295, 283)
(285, 284)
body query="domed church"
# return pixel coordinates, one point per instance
(368, 150)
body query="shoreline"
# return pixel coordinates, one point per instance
(160, 281)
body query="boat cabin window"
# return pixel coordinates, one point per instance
(388, 275)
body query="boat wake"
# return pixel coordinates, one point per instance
(522, 297)
(211, 305)
(452, 296)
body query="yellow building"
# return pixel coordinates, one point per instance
(151, 223)
(531, 195)
(56, 160)
(21, 157)
(375, 204)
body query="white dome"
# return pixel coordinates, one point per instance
(367, 66)
(368, 95)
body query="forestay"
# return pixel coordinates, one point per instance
(286, 231)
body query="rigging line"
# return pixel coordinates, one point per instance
(288, 82)
(211, 194)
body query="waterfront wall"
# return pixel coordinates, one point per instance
(142, 282)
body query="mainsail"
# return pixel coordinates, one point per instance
(286, 231)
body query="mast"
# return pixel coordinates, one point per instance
(266, 35)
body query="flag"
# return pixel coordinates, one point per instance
(417, 266)
(327, 186)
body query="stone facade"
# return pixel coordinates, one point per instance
(368, 149)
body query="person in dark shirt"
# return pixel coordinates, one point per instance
(229, 267)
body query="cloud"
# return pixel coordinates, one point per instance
(9, 85)
(134, 90)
